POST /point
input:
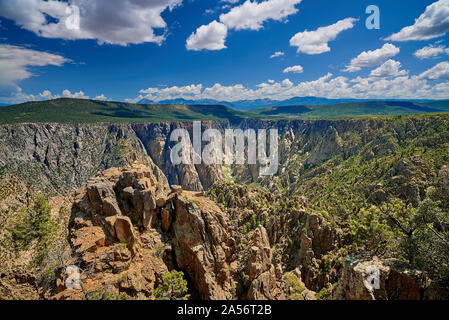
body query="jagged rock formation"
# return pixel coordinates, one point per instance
(396, 281)
(293, 239)
(261, 271)
(203, 244)
(156, 139)
(293, 256)
(77, 152)
(314, 238)
(128, 229)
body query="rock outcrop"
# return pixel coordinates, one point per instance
(156, 139)
(315, 239)
(128, 228)
(203, 244)
(261, 271)
(62, 157)
(375, 279)
(328, 147)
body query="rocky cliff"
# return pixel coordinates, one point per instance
(135, 216)
(63, 156)
(128, 228)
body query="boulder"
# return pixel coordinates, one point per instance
(19, 284)
(88, 239)
(101, 196)
(128, 193)
(110, 226)
(124, 230)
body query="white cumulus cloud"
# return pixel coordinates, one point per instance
(433, 23)
(439, 71)
(19, 96)
(15, 64)
(186, 92)
(118, 22)
(101, 97)
(328, 86)
(390, 68)
(77, 95)
(317, 41)
(372, 58)
(431, 51)
(251, 14)
(294, 69)
(209, 37)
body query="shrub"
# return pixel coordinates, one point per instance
(419, 236)
(326, 292)
(34, 223)
(371, 231)
(121, 245)
(294, 285)
(427, 248)
(173, 287)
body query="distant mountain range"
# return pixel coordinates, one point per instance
(268, 103)
(81, 111)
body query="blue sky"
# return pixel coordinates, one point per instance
(126, 50)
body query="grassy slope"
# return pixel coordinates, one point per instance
(77, 110)
(354, 109)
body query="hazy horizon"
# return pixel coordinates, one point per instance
(228, 50)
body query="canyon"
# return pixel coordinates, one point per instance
(126, 215)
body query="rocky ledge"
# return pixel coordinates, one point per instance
(128, 228)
